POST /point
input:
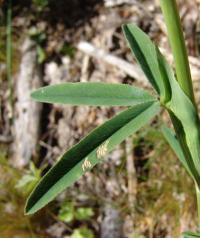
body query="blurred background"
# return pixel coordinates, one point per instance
(140, 190)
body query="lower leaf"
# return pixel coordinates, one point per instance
(88, 152)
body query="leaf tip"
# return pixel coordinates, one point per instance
(30, 206)
(37, 94)
(28, 211)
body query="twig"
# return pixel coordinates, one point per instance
(133, 70)
(114, 3)
(84, 70)
(9, 53)
(27, 121)
(132, 180)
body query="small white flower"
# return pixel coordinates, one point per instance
(86, 164)
(102, 150)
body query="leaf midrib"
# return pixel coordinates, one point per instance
(49, 96)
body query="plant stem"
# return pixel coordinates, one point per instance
(182, 68)
(177, 43)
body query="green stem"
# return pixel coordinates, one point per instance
(182, 68)
(177, 43)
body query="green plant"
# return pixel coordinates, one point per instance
(13, 223)
(82, 233)
(39, 38)
(29, 179)
(68, 212)
(40, 4)
(175, 94)
(68, 50)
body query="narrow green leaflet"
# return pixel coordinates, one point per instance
(97, 94)
(146, 54)
(174, 143)
(184, 111)
(88, 152)
(189, 234)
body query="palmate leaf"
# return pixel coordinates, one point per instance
(96, 94)
(185, 116)
(88, 152)
(182, 111)
(185, 112)
(146, 54)
(189, 234)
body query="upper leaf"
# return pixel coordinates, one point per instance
(184, 110)
(88, 152)
(181, 106)
(185, 118)
(96, 94)
(146, 54)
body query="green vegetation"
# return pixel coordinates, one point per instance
(40, 4)
(39, 38)
(170, 91)
(12, 199)
(68, 212)
(175, 96)
(89, 152)
(82, 233)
